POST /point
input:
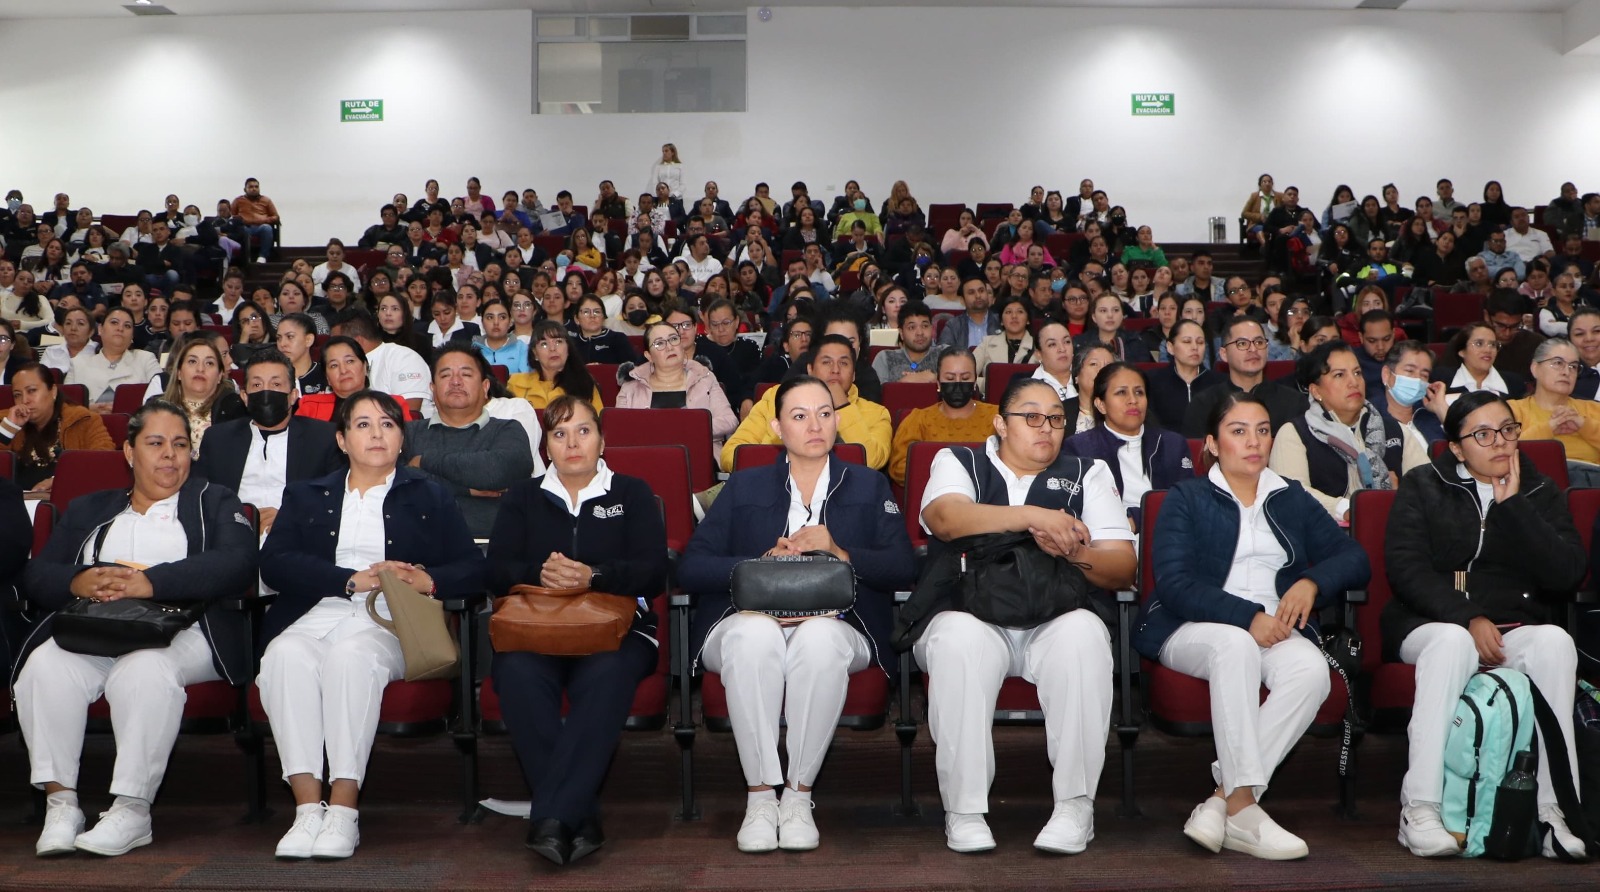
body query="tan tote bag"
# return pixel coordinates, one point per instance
(425, 640)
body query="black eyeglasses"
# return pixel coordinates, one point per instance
(1511, 431)
(1038, 419)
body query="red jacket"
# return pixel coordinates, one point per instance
(320, 407)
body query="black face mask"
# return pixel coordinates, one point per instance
(636, 318)
(956, 394)
(268, 408)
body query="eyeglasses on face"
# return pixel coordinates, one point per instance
(1558, 364)
(1481, 344)
(1511, 431)
(663, 343)
(1248, 344)
(683, 326)
(1039, 419)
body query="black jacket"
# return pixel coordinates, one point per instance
(1170, 396)
(422, 526)
(1284, 404)
(610, 346)
(620, 534)
(1522, 558)
(221, 564)
(377, 233)
(313, 451)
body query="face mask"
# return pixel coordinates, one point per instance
(1058, 285)
(268, 408)
(13, 204)
(956, 394)
(1408, 391)
(636, 318)
(859, 204)
(924, 261)
(562, 260)
(191, 220)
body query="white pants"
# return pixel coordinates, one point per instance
(1445, 657)
(322, 684)
(771, 670)
(1252, 736)
(144, 690)
(967, 659)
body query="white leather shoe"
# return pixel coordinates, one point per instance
(118, 832)
(1559, 841)
(1422, 832)
(759, 832)
(339, 835)
(1208, 823)
(1252, 832)
(62, 824)
(797, 830)
(302, 836)
(1070, 828)
(967, 833)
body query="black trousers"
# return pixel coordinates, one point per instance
(565, 763)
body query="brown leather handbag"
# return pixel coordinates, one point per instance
(560, 622)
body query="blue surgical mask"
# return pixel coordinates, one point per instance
(1058, 285)
(859, 204)
(562, 260)
(1408, 391)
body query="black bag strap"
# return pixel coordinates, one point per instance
(100, 540)
(1351, 717)
(1555, 747)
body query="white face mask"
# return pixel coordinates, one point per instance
(191, 220)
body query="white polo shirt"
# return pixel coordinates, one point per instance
(400, 371)
(1103, 513)
(154, 537)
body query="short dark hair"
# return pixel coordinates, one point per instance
(1229, 323)
(1466, 405)
(347, 341)
(1504, 301)
(954, 353)
(156, 406)
(356, 322)
(1315, 364)
(825, 340)
(563, 407)
(464, 349)
(790, 384)
(268, 357)
(1405, 348)
(1376, 316)
(386, 404)
(1227, 404)
(915, 308)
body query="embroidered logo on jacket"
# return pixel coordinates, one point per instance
(602, 512)
(889, 507)
(1062, 483)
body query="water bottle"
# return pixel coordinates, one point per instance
(1511, 832)
(1219, 230)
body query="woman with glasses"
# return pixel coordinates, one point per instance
(555, 369)
(1476, 348)
(797, 335)
(1341, 443)
(1550, 412)
(667, 379)
(1482, 554)
(252, 334)
(593, 339)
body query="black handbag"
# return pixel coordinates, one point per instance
(1007, 580)
(794, 586)
(114, 628)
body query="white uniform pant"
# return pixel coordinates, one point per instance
(1252, 736)
(967, 659)
(144, 690)
(770, 670)
(322, 684)
(1445, 657)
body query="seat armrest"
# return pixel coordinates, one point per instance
(1356, 596)
(1127, 596)
(1586, 596)
(902, 597)
(680, 600)
(463, 603)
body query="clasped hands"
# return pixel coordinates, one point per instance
(410, 574)
(112, 583)
(811, 538)
(1059, 534)
(560, 571)
(1294, 611)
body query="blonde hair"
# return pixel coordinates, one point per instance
(174, 392)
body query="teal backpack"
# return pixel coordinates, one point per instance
(1494, 721)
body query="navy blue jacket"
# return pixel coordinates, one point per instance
(620, 534)
(221, 564)
(1167, 459)
(750, 515)
(1199, 531)
(422, 525)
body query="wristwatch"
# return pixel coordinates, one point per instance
(597, 580)
(350, 587)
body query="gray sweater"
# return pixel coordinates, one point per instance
(490, 454)
(892, 365)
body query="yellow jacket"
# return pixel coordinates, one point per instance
(928, 423)
(533, 388)
(1582, 446)
(862, 421)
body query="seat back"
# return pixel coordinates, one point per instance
(1150, 507)
(82, 471)
(8, 464)
(76, 394)
(605, 381)
(1279, 368)
(919, 461)
(999, 374)
(1584, 505)
(690, 428)
(128, 398)
(1549, 456)
(1452, 311)
(1369, 526)
(666, 470)
(117, 426)
(898, 395)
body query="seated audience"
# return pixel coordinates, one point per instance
(296, 334)
(810, 501)
(1140, 456)
(1107, 314)
(170, 538)
(917, 357)
(1077, 518)
(474, 456)
(1341, 443)
(1474, 350)
(41, 424)
(579, 524)
(348, 373)
(1244, 349)
(1550, 412)
(859, 420)
(1416, 403)
(796, 342)
(733, 359)
(1482, 555)
(958, 416)
(1055, 360)
(115, 364)
(1013, 343)
(392, 369)
(553, 369)
(1246, 560)
(1173, 388)
(326, 662)
(592, 340)
(978, 322)
(667, 380)
(199, 384)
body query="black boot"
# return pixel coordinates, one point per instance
(550, 838)
(588, 838)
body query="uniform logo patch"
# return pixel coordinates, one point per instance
(1063, 484)
(241, 518)
(602, 512)
(889, 507)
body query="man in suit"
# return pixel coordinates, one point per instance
(258, 456)
(969, 329)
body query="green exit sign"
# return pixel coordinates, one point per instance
(1151, 104)
(361, 110)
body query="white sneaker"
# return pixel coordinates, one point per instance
(62, 824)
(1208, 823)
(1559, 841)
(797, 831)
(339, 835)
(967, 833)
(759, 832)
(1252, 832)
(1070, 828)
(302, 836)
(118, 832)
(1422, 832)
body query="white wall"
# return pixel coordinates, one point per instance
(965, 104)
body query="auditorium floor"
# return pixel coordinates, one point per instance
(410, 838)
